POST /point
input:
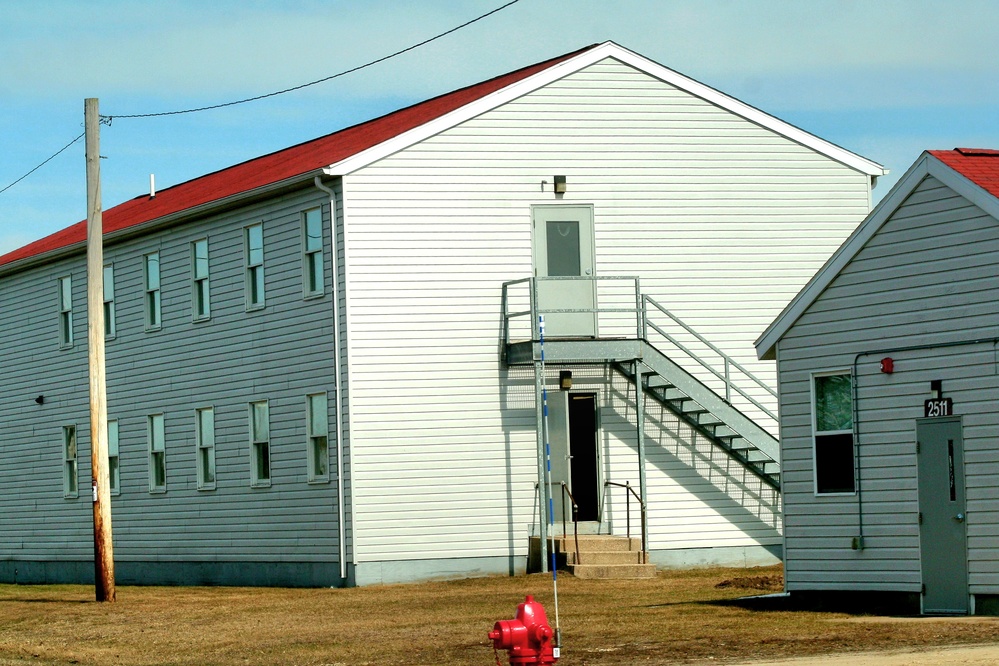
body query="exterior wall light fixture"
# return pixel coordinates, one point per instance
(559, 184)
(565, 379)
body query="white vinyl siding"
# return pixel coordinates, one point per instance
(260, 444)
(927, 277)
(200, 294)
(66, 311)
(156, 437)
(205, 441)
(152, 311)
(313, 272)
(109, 309)
(253, 250)
(70, 473)
(114, 458)
(723, 220)
(317, 434)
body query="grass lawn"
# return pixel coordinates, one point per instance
(680, 617)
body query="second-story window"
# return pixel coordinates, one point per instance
(200, 301)
(66, 311)
(151, 263)
(254, 252)
(109, 327)
(312, 261)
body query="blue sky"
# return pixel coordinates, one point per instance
(885, 79)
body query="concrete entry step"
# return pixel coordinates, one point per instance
(598, 556)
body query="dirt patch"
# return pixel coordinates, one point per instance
(771, 583)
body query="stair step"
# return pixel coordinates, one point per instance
(613, 571)
(603, 543)
(606, 557)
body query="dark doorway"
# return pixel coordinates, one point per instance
(583, 452)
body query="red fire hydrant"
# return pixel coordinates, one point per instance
(528, 638)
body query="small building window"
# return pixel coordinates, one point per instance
(317, 427)
(833, 427)
(254, 253)
(109, 325)
(114, 476)
(157, 453)
(312, 260)
(66, 311)
(260, 444)
(205, 436)
(200, 299)
(70, 480)
(153, 313)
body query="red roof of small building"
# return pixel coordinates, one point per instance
(979, 165)
(281, 165)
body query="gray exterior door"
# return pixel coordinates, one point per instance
(942, 536)
(564, 247)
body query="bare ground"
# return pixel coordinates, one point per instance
(681, 617)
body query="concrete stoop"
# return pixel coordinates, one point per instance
(600, 556)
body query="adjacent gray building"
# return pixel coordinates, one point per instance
(888, 390)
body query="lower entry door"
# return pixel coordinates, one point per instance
(572, 436)
(943, 543)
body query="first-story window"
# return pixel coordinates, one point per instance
(832, 401)
(157, 453)
(260, 444)
(114, 476)
(205, 436)
(66, 311)
(317, 426)
(109, 328)
(70, 482)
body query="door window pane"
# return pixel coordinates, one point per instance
(563, 248)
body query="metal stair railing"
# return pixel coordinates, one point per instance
(727, 362)
(575, 521)
(630, 492)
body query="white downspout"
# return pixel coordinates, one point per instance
(340, 492)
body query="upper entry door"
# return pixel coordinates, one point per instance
(563, 247)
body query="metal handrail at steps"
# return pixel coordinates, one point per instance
(575, 517)
(622, 311)
(630, 492)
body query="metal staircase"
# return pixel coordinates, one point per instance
(707, 413)
(632, 332)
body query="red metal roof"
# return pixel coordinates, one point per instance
(979, 165)
(281, 165)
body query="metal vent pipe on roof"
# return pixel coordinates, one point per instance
(152, 185)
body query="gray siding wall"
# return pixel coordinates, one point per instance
(926, 278)
(279, 354)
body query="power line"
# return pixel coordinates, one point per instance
(318, 81)
(54, 155)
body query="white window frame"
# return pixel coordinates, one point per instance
(816, 433)
(110, 329)
(204, 434)
(70, 462)
(114, 457)
(255, 284)
(201, 302)
(260, 446)
(65, 284)
(313, 257)
(317, 432)
(156, 438)
(153, 310)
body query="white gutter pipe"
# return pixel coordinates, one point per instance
(340, 492)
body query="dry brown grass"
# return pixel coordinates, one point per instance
(680, 617)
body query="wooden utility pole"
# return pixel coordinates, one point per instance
(103, 553)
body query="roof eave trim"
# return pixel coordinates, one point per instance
(766, 343)
(166, 220)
